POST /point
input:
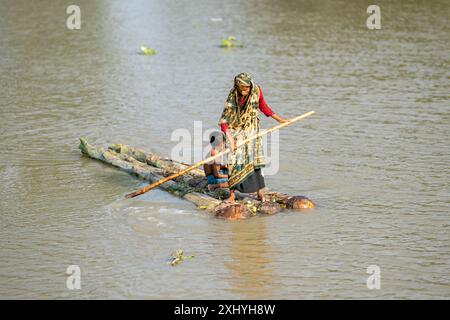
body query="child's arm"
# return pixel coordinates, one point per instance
(216, 167)
(207, 169)
(216, 172)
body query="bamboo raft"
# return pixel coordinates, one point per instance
(192, 186)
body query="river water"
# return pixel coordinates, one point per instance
(374, 157)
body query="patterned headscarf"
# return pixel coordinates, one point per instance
(241, 116)
(243, 79)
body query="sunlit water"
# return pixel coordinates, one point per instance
(375, 157)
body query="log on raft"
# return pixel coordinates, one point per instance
(193, 185)
(171, 167)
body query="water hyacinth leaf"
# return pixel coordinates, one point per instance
(148, 51)
(230, 42)
(178, 257)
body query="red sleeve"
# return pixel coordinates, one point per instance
(224, 127)
(263, 105)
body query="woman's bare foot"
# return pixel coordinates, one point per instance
(261, 196)
(231, 198)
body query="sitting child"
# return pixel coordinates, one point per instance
(216, 172)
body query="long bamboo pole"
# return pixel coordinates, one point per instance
(198, 164)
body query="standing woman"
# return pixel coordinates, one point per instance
(240, 120)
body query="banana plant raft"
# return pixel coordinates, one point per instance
(192, 186)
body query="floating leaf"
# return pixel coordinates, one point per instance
(229, 42)
(148, 51)
(178, 257)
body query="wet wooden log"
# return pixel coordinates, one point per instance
(290, 202)
(196, 178)
(181, 188)
(153, 159)
(192, 186)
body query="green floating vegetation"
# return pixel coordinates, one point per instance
(178, 256)
(221, 193)
(230, 42)
(148, 51)
(252, 207)
(182, 188)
